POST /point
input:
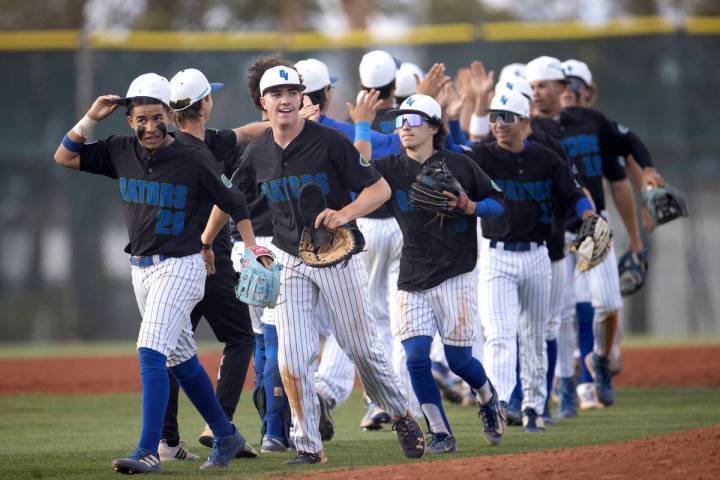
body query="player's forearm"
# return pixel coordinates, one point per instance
(245, 229)
(634, 172)
(68, 152)
(362, 139)
(248, 133)
(625, 200)
(218, 219)
(369, 200)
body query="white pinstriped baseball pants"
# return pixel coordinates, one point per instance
(342, 289)
(514, 305)
(166, 293)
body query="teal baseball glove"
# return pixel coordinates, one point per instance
(258, 285)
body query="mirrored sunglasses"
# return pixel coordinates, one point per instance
(412, 119)
(506, 117)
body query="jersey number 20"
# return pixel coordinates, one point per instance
(169, 223)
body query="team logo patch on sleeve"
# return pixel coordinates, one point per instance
(226, 181)
(364, 161)
(495, 186)
(623, 129)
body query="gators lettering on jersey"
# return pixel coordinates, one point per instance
(163, 191)
(433, 251)
(535, 182)
(593, 143)
(318, 154)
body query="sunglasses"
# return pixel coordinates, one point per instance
(412, 119)
(506, 117)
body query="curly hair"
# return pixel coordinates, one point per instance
(256, 71)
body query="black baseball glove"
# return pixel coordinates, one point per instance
(633, 268)
(665, 204)
(426, 192)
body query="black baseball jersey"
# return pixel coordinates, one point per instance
(318, 154)
(384, 123)
(594, 143)
(223, 146)
(257, 203)
(534, 182)
(434, 251)
(163, 191)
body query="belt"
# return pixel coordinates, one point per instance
(147, 261)
(515, 246)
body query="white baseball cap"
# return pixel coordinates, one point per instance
(405, 79)
(512, 71)
(150, 85)
(280, 76)
(377, 69)
(510, 101)
(315, 75)
(519, 84)
(422, 104)
(577, 69)
(544, 68)
(189, 86)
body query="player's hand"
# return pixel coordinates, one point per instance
(651, 177)
(462, 84)
(433, 82)
(635, 245)
(309, 111)
(103, 107)
(462, 203)
(647, 221)
(482, 82)
(366, 108)
(208, 257)
(265, 261)
(331, 219)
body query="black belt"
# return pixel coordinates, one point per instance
(515, 246)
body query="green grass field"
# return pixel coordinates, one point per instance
(77, 436)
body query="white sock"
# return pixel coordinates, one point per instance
(484, 393)
(434, 418)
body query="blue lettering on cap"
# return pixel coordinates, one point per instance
(410, 101)
(504, 100)
(509, 85)
(284, 74)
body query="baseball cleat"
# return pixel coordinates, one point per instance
(178, 452)
(514, 413)
(441, 443)
(206, 438)
(493, 418)
(374, 418)
(142, 461)
(305, 458)
(599, 367)
(532, 422)
(588, 397)
(327, 426)
(567, 405)
(410, 436)
(547, 414)
(272, 444)
(224, 449)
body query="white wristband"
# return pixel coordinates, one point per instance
(85, 127)
(479, 126)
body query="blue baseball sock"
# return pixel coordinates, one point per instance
(585, 314)
(259, 359)
(276, 400)
(516, 397)
(417, 351)
(465, 366)
(552, 353)
(197, 386)
(155, 392)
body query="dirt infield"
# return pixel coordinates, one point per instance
(642, 367)
(694, 454)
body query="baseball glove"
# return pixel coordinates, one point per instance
(258, 285)
(593, 242)
(321, 247)
(633, 268)
(665, 204)
(426, 192)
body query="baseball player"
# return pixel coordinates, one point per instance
(227, 316)
(515, 269)
(593, 143)
(292, 153)
(436, 282)
(406, 80)
(163, 185)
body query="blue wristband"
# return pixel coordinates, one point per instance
(362, 131)
(582, 205)
(71, 145)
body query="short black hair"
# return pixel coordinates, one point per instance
(319, 97)
(385, 90)
(139, 101)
